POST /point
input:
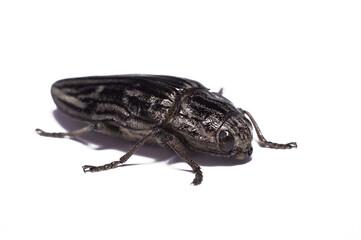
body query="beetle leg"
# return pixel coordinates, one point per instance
(66, 134)
(195, 167)
(123, 159)
(178, 147)
(262, 140)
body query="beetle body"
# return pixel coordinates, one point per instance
(177, 112)
(135, 104)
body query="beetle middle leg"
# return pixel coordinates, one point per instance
(123, 159)
(262, 140)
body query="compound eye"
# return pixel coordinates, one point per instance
(226, 141)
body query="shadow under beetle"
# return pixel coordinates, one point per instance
(170, 111)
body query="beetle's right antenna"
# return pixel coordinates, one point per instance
(262, 140)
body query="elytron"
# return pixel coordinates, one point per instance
(173, 112)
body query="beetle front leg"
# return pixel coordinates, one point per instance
(174, 145)
(178, 147)
(123, 159)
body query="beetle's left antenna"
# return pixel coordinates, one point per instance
(262, 140)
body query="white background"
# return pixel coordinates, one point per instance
(293, 64)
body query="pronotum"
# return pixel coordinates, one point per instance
(173, 112)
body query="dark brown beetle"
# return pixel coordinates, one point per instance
(171, 111)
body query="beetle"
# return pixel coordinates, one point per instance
(170, 111)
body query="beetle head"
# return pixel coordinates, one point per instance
(235, 137)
